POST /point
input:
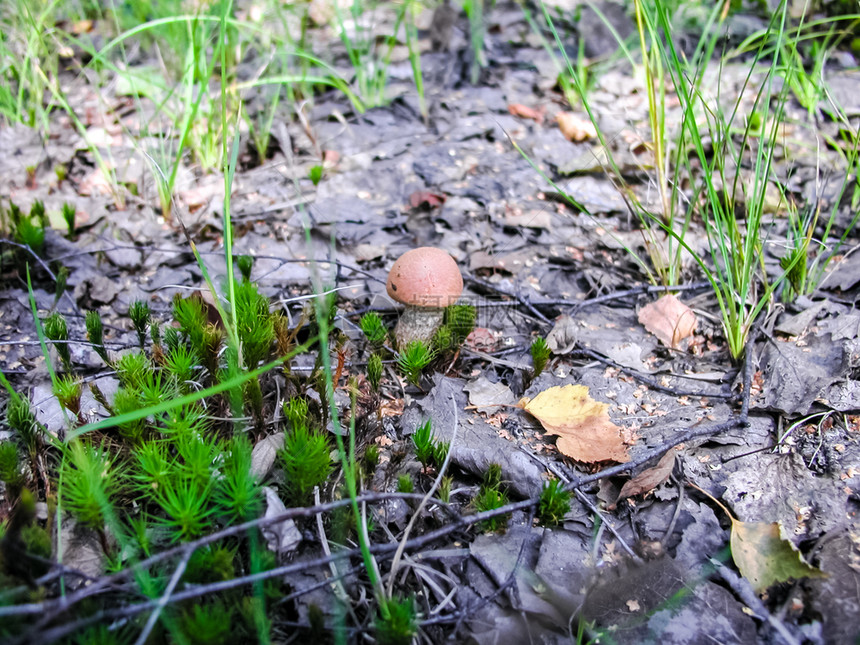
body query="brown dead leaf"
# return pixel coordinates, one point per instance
(483, 339)
(585, 431)
(525, 112)
(669, 319)
(330, 159)
(426, 199)
(575, 128)
(94, 183)
(649, 478)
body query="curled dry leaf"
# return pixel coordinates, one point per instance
(562, 338)
(426, 199)
(264, 453)
(282, 537)
(575, 128)
(669, 319)
(649, 478)
(585, 431)
(526, 112)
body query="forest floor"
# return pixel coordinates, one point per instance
(714, 497)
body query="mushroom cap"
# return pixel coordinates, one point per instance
(425, 277)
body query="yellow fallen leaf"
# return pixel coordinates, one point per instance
(575, 128)
(763, 557)
(585, 431)
(762, 554)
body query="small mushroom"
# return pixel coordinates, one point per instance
(426, 280)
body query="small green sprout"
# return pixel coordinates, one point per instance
(445, 488)
(255, 326)
(38, 212)
(296, 411)
(238, 494)
(374, 371)
(315, 174)
(90, 482)
(186, 508)
(489, 499)
(68, 391)
(306, 462)
(245, 264)
(373, 327)
(211, 564)
(20, 418)
(132, 369)
(540, 356)
(154, 469)
(405, 483)
(397, 622)
(189, 313)
(209, 624)
(95, 334)
(460, 319)
(140, 314)
(422, 440)
(493, 476)
(69, 215)
(443, 340)
(440, 451)
(371, 457)
(57, 331)
(36, 541)
(171, 338)
(10, 467)
(554, 503)
(27, 232)
(197, 453)
(181, 362)
(413, 359)
(60, 285)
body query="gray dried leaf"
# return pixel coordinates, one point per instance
(80, 549)
(844, 327)
(487, 396)
(264, 454)
(283, 536)
(562, 338)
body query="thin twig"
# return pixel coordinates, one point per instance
(584, 499)
(395, 561)
(165, 598)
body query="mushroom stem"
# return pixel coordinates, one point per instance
(418, 323)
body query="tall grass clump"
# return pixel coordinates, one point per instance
(713, 161)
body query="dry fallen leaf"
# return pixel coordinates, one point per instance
(585, 431)
(761, 553)
(487, 396)
(575, 128)
(525, 112)
(425, 198)
(669, 319)
(763, 557)
(562, 338)
(649, 478)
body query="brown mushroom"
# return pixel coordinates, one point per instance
(426, 280)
